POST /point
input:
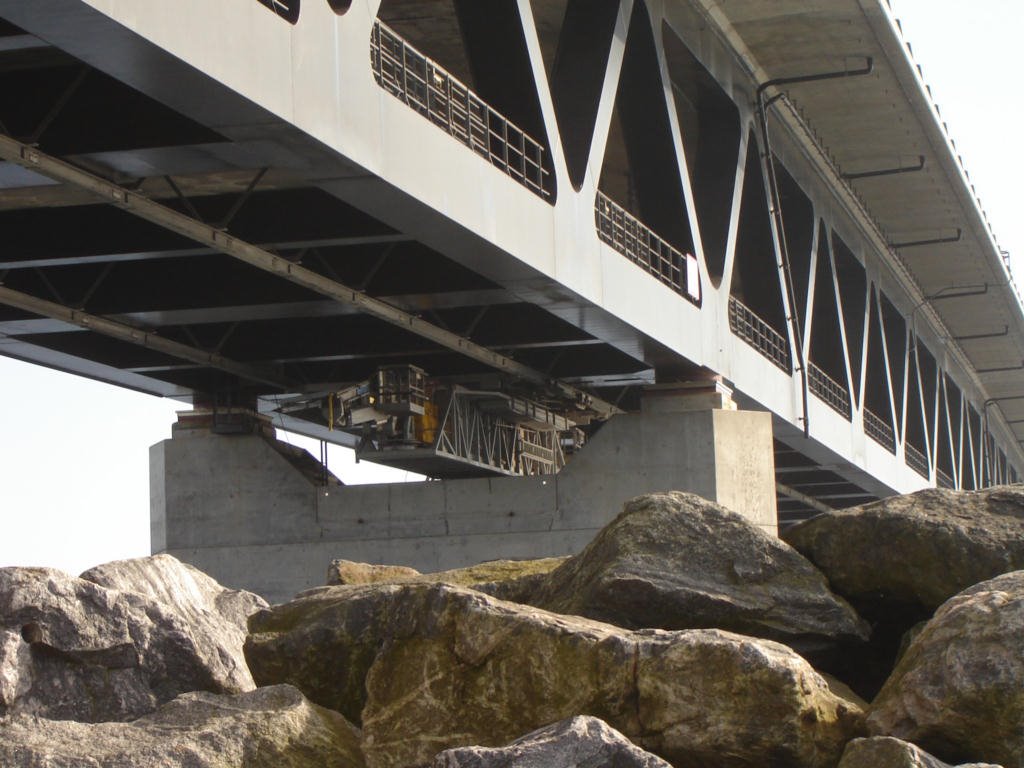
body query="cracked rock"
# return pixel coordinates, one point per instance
(73, 650)
(269, 728)
(436, 666)
(958, 691)
(677, 561)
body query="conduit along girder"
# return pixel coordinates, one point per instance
(139, 337)
(143, 207)
(446, 428)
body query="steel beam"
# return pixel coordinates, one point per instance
(305, 310)
(930, 241)
(138, 337)
(178, 253)
(138, 205)
(875, 173)
(803, 498)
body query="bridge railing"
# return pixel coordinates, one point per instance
(830, 391)
(757, 333)
(426, 87)
(879, 430)
(916, 460)
(638, 243)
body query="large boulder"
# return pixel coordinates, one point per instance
(887, 752)
(514, 580)
(349, 572)
(73, 650)
(323, 642)
(215, 613)
(958, 691)
(578, 742)
(898, 559)
(269, 728)
(919, 549)
(676, 561)
(447, 666)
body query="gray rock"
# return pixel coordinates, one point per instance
(514, 580)
(919, 549)
(15, 668)
(323, 642)
(269, 728)
(958, 691)
(440, 666)
(348, 572)
(887, 752)
(676, 561)
(91, 654)
(579, 742)
(216, 614)
(898, 559)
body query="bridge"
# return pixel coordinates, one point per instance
(538, 251)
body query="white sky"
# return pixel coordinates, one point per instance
(74, 459)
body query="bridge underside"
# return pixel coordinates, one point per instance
(186, 317)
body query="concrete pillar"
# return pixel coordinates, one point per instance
(254, 516)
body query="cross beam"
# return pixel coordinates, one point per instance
(139, 337)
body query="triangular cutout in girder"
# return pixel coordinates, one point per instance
(755, 275)
(798, 223)
(824, 351)
(709, 122)
(929, 383)
(917, 441)
(876, 387)
(944, 455)
(575, 39)
(853, 287)
(640, 168)
(895, 326)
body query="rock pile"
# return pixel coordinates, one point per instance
(515, 580)
(899, 559)
(959, 688)
(677, 561)
(916, 550)
(680, 636)
(273, 727)
(446, 666)
(71, 649)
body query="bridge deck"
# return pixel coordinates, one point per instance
(454, 165)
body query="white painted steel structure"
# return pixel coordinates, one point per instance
(338, 100)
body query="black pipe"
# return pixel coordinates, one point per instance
(776, 210)
(886, 171)
(794, 310)
(835, 75)
(970, 336)
(933, 241)
(1001, 369)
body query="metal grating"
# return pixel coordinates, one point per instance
(943, 480)
(916, 460)
(828, 390)
(429, 89)
(879, 430)
(638, 243)
(758, 334)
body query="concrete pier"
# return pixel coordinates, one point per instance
(252, 513)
